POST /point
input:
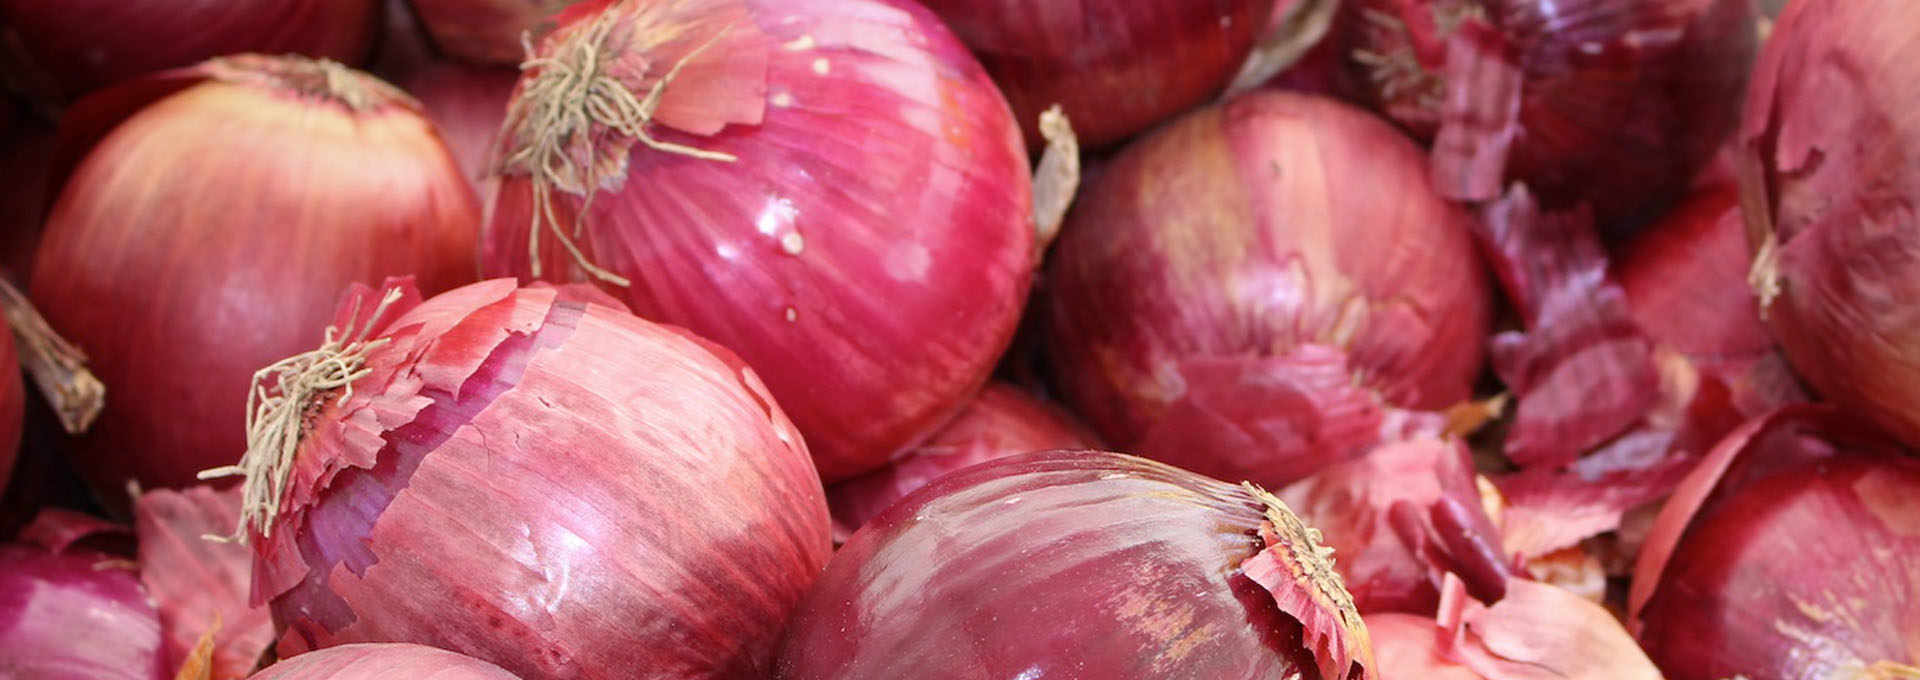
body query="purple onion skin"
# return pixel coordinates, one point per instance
(1058, 564)
(75, 615)
(1116, 67)
(1239, 233)
(1831, 123)
(381, 661)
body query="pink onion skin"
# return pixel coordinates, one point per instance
(1116, 67)
(486, 31)
(688, 504)
(67, 49)
(166, 256)
(199, 584)
(1834, 76)
(1188, 267)
(380, 661)
(972, 576)
(70, 612)
(876, 219)
(1003, 421)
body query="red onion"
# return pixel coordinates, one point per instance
(1791, 552)
(71, 612)
(1116, 67)
(1615, 103)
(486, 31)
(532, 477)
(1832, 171)
(200, 585)
(170, 254)
(1538, 632)
(831, 188)
(1003, 421)
(1224, 275)
(382, 661)
(61, 50)
(1079, 564)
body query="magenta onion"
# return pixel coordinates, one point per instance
(216, 212)
(1790, 552)
(1538, 632)
(1079, 564)
(532, 477)
(1003, 421)
(1116, 67)
(486, 31)
(199, 585)
(69, 611)
(1832, 152)
(380, 661)
(1222, 275)
(61, 50)
(831, 188)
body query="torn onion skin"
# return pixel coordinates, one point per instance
(486, 31)
(543, 458)
(71, 611)
(1226, 275)
(1079, 564)
(1117, 67)
(380, 661)
(847, 205)
(1793, 551)
(1831, 171)
(167, 256)
(200, 585)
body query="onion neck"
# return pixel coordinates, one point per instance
(318, 80)
(57, 367)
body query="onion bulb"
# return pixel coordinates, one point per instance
(380, 661)
(71, 611)
(486, 31)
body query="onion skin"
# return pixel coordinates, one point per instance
(26, 154)
(1836, 210)
(166, 256)
(1189, 280)
(378, 661)
(1540, 633)
(71, 612)
(486, 31)
(687, 504)
(198, 585)
(876, 218)
(970, 576)
(1117, 67)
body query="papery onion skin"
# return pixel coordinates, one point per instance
(208, 231)
(69, 612)
(1833, 147)
(66, 49)
(200, 585)
(379, 661)
(486, 31)
(875, 220)
(1116, 67)
(1235, 237)
(593, 463)
(974, 574)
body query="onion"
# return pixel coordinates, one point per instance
(69, 611)
(60, 50)
(486, 31)
(1832, 170)
(382, 661)
(1116, 67)
(467, 102)
(217, 211)
(1791, 552)
(198, 585)
(1230, 293)
(1538, 632)
(532, 477)
(831, 188)
(1161, 573)
(1614, 103)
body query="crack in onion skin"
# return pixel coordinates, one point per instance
(1199, 267)
(875, 219)
(1075, 564)
(537, 478)
(69, 611)
(381, 661)
(1831, 178)
(486, 31)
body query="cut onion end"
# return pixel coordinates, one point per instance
(1299, 572)
(57, 367)
(1057, 178)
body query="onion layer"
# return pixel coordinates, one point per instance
(71, 612)
(380, 661)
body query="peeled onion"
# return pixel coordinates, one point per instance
(380, 661)
(833, 189)
(211, 216)
(69, 611)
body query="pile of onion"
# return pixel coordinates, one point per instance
(1079, 564)
(1830, 174)
(380, 661)
(831, 188)
(1232, 295)
(533, 477)
(71, 609)
(210, 216)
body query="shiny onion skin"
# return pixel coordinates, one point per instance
(1831, 142)
(1116, 67)
(1003, 421)
(69, 611)
(1078, 564)
(869, 246)
(1215, 262)
(1790, 552)
(486, 31)
(198, 585)
(587, 493)
(211, 216)
(382, 661)
(61, 50)
(1614, 103)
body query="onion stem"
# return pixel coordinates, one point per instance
(57, 366)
